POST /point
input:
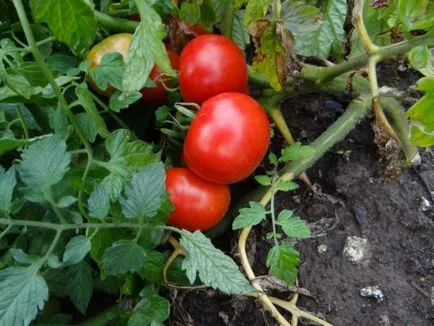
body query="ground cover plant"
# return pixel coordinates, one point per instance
(134, 132)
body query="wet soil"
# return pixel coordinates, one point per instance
(350, 199)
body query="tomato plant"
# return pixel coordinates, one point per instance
(198, 204)
(228, 138)
(86, 198)
(210, 65)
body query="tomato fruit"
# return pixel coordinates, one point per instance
(227, 139)
(198, 204)
(210, 65)
(114, 43)
(158, 94)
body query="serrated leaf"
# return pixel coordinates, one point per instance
(151, 310)
(293, 226)
(32, 72)
(144, 195)
(240, 34)
(263, 180)
(116, 103)
(87, 126)
(255, 10)
(329, 30)
(76, 249)
(110, 71)
(66, 201)
(61, 63)
(80, 285)
(283, 261)
(7, 184)
(296, 151)
(99, 202)
(213, 266)
(71, 21)
(44, 163)
(124, 256)
(24, 293)
(190, 12)
(249, 216)
(59, 122)
(286, 185)
(112, 184)
(20, 256)
(86, 100)
(146, 49)
(20, 85)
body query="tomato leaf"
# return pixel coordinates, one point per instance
(71, 21)
(123, 256)
(24, 293)
(282, 261)
(255, 10)
(109, 72)
(44, 163)
(99, 202)
(8, 181)
(86, 125)
(296, 151)
(117, 103)
(329, 29)
(292, 225)
(75, 250)
(240, 34)
(146, 49)
(150, 310)
(214, 267)
(263, 180)
(249, 216)
(190, 12)
(79, 286)
(144, 195)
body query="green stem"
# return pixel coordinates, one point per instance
(272, 211)
(57, 211)
(228, 20)
(23, 123)
(50, 249)
(115, 24)
(369, 46)
(5, 231)
(69, 226)
(104, 318)
(356, 110)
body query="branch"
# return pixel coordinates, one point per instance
(114, 24)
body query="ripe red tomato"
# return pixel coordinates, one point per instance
(227, 139)
(199, 204)
(114, 43)
(158, 94)
(210, 65)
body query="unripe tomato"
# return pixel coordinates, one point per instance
(209, 65)
(198, 204)
(227, 139)
(158, 94)
(114, 43)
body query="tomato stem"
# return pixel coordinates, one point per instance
(114, 24)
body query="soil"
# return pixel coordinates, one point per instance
(350, 198)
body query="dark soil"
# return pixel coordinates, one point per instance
(350, 199)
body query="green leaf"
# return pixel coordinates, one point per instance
(190, 12)
(255, 10)
(124, 256)
(282, 261)
(286, 186)
(8, 181)
(71, 21)
(151, 310)
(59, 122)
(44, 163)
(61, 63)
(421, 136)
(20, 85)
(293, 226)
(20, 256)
(214, 267)
(295, 152)
(99, 202)
(249, 216)
(418, 56)
(146, 49)
(330, 29)
(240, 34)
(109, 72)
(116, 103)
(66, 201)
(299, 17)
(161, 115)
(32, 72)
(112, 184)
(8, 144)
(86, 100)
(24, 293)
(87, 126)
(144, 195)
(263, 180)
(79, 285)
(409, 12)
(76, 249)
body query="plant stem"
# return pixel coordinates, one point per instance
(23, 123)
(50, 199)
(5, 231)
(272, 211)
(103, 318)
(358, 22)
(50, 249)
(115, 24)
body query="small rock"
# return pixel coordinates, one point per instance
(356, 249)
(385, 320)
(372, 291)
(321, 249)
(425, 205)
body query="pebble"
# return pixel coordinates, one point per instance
(425, 205)
(372, 291)
(321, 249)
(356, 249)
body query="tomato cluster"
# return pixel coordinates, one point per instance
(227, 139)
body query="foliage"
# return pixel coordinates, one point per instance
(83, 205)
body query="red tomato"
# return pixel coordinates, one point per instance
(199, 204)
(158, 94)
(227, 139)
(210, 65)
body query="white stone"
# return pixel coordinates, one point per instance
(356, 249)
(321, 249)
(372, 291)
